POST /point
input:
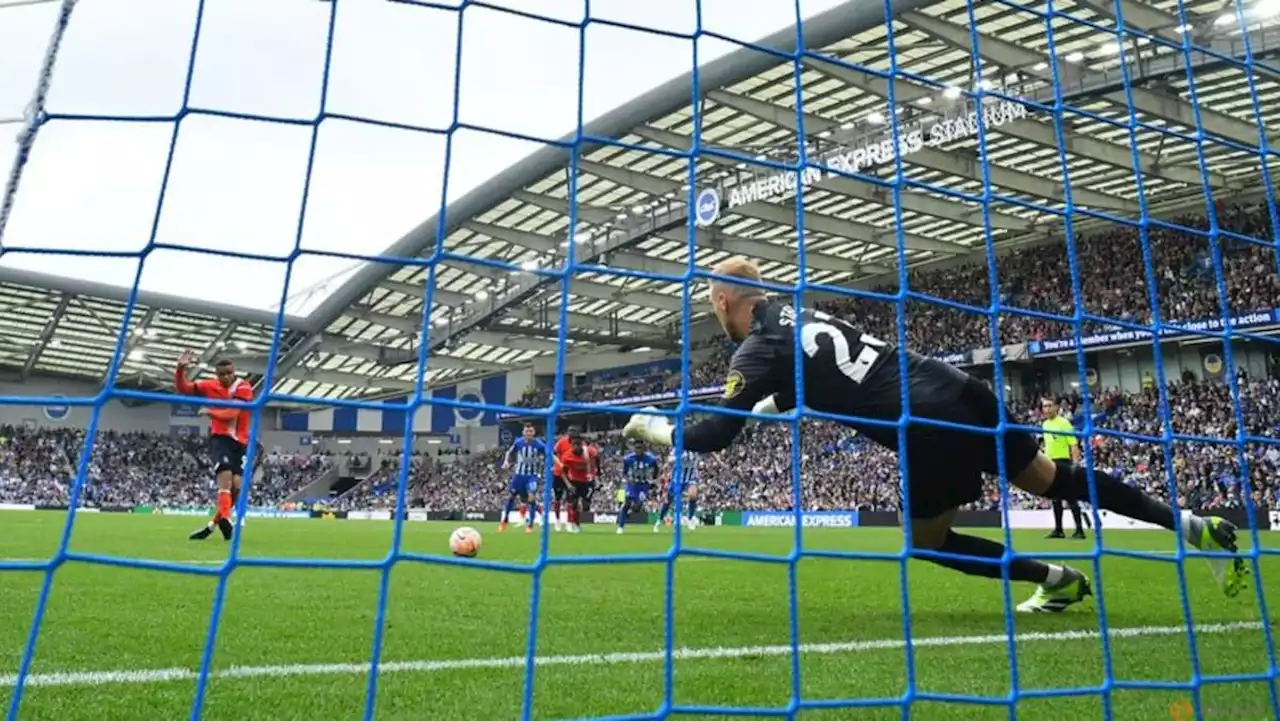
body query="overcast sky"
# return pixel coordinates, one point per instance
(237, 185)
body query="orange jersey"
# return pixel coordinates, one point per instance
(561, 447)
(240, 390)
(578, 467)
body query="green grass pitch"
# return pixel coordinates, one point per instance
(293, 643)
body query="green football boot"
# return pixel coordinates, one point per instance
(1073, 588)
(1218, 534)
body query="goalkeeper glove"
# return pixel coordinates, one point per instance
(768, 406)
(650, 429)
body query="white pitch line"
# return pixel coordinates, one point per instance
(163, 675)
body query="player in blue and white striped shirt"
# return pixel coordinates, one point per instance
(639, 471)
(687, 484)
(530, 454)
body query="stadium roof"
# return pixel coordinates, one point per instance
(495, 306)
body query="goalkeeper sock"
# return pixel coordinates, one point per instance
(1071, 483)
(1020, 569)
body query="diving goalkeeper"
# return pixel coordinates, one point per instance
(856, 375)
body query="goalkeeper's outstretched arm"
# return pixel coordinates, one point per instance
(750, 384)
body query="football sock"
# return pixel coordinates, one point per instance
(1071, 483)
(1057, 515)
(506, 508)
(693, 507)
(224, 504)
(235, 496)
(1020, 569)
(666, 507)
(622, 515)
(555, 511)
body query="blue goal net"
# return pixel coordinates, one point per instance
(1067, 200)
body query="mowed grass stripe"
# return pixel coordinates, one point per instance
(165, 675)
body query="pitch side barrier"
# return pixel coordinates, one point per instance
(1265, 519)
(1256, 322)
(652, 399)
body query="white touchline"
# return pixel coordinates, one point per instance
(161, 675)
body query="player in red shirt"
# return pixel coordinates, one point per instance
(580, 464)
(228, 434)
(559, 488)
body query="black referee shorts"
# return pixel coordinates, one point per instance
(227, 454)
(945, 466)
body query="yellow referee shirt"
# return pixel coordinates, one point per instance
(1056, 445)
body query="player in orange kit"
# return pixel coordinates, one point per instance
(580, 464)
(228, 434)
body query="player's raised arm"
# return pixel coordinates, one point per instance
(180, 382)
(506, 460)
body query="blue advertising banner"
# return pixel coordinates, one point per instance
(809, 519)
(654, 398)
(1251, 319)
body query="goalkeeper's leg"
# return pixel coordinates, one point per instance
(1068, 481)
(1059, 586)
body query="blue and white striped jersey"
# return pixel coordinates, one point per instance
(690, 463)
(639, 468)
(528, 456)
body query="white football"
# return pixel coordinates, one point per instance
(465, 542)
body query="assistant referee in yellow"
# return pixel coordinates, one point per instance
(1060, 445)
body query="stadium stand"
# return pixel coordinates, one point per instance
(625, 213)
(132, 469)
(839, 471)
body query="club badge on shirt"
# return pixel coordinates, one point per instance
(733, 384)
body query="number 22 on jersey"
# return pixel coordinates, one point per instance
(855, 369)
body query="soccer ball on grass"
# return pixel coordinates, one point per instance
(465, 542)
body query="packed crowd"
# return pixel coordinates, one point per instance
(1039, 278)
(709, 360)
(126, 469)
(839, 470)
(1112, 281)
